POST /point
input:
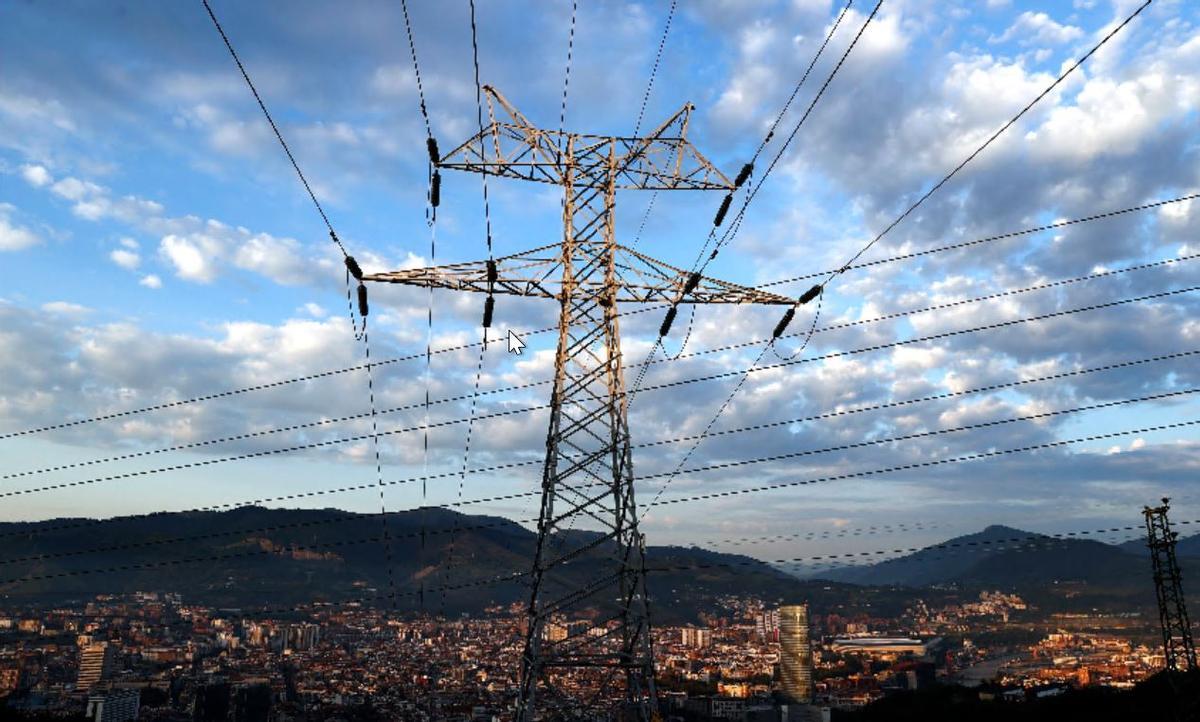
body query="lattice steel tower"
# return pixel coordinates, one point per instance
(597, 575)
(1172, 612)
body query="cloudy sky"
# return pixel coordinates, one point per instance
(155, 246)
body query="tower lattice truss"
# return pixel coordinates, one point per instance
(588, 615)
(1178, 647)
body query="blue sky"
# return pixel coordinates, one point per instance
(155, 245)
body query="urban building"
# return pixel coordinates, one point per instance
(117, 705)
(766, 625)
(97, 662)
(695, 638)
(795, 654)
(880, 646)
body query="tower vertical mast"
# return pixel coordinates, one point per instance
(587, 638)
(1178, 647)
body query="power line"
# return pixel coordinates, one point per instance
(923, 434)
(796, 90)
(256, 530)
(828, 560)
(562, 113)
(987, 239)
(736, 224)
(271, 121)
(979, 545)
(662, 44)
(733, 228)
(874, 530)
(928, 464)
(754, 367)
(646, 309)
(828, 449)
(923, 399)
(818, 291)
(237, 457)
(665, 327)
(671, 384)
(947, 305)
(256, 387)
(1062, 76)
(352, 267)
(755, 427)
(742, 176)
(412, 47)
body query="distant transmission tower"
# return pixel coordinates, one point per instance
(587, 480)
(1172, 612)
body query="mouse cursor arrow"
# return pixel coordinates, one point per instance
(515, 344)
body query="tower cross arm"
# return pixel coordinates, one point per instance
(512, 147)
(537, 274)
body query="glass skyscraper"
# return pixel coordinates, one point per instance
(795, 664)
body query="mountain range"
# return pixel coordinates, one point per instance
(254, 557)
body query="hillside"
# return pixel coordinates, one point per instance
(257, 557)
(1044, 568)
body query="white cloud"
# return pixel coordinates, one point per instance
(1108, 117)
(276, 258)
(393, 80)
(314, 310)
(35, 112)
(125, 258)
(12, 236)
(150, 281)
(193, 257)
(65, 308)
(74, 189)
(35, 175)
(1033, 28)
(130, 244)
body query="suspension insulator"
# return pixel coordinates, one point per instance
(783, 322)
(363, 310)
(692, 281)
(352, 267)
(743, 174)
(811, 293)
(723, 210)
(665, 328)
(432, 146)
(492, 273)
(489, 305)
(435, 189)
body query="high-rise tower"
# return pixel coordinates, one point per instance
(795, 659)
(97, 662)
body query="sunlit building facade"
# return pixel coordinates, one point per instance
(795, 659)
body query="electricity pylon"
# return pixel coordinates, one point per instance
(588, 615)
(1178, 647)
